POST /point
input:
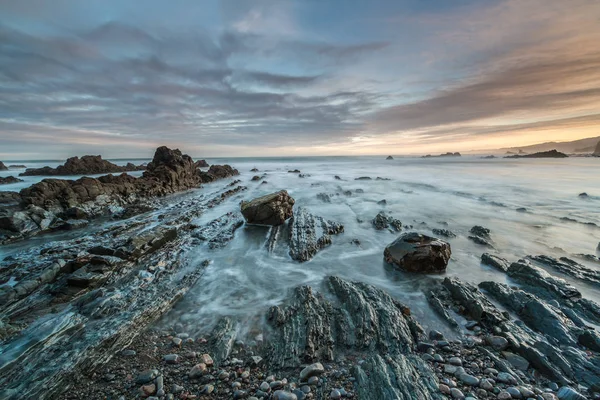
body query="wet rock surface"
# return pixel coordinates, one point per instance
(271, 209)
(309, 234)
(3, 167)
(383, 221)
(169, 172)
(86, 165)
(414, 252)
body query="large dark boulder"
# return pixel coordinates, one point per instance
(171, 171)
(86, 165)
(216, 172)
(3, 167)
(272, 209)
(201, 164)
(9, 179)
(414, 252)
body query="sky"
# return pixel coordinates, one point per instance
(285, 78)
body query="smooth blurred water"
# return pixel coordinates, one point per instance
(244, 279)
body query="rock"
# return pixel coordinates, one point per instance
(284, 395)
(305, 229)
(310, 326)
(567, 393)
(9, 179)
(207, 359)
(256, 178)
(335, 394)
(498, 342)
(516, 360)
(449, 154)
(529, 274)
(583, 195)
(456, 394)
(504, 395)
(172, 358)
(414, 252)
(197, 370)
(324, 197)
(315, 369)
(148, 390)
(146, 376)
(494, 261)
(336, 177)
(389, 158)
(216, 172)
(272, 209)
(443, 232)
(86, 165)
(455, 361)
(469, 379)
(543, 154)
(201, 164)
(363, 178)
(382, 221)
(3, 167)
(480, 231)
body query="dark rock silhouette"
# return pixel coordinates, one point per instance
(413, 252)
(3, 167)
(86, 165)
(9, 179)
(543, 154)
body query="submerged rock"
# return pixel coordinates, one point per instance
(494, 261)
(443, 232)
(271, 209)
(309, 234)
(414, 252)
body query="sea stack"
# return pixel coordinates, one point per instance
(3, 167)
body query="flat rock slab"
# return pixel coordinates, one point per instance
(272, 209)
(414, 252)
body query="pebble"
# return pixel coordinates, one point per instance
(438, 358)
(435, 335)
(455, 361)
(265, 387)
(239, 394)
(514, 392)
(505, 377)
(223, 375)
(206, 359)
(313, 380)
(177, 342)
(335, 394)
(276, 385)
(128, 353)
(449, 369)
(427, 357)
(469, 379)
(160, 386)
(207, 389)
(146, 376)
(526, 392)
(315, 369)
(456, 394)
(283, 395)
(255, 360)
(490, 371)
(567, 393)
(498, 342)
(444, 388)
(305, 389)
(172, 358)
(553, 386)
(176, 388)
(486, 384)
(236, 385)
(197, 370)
(504, 395)
(148, 389)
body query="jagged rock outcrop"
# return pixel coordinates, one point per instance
(383, 221)
(569, 267)
(309, 234)
(3, 167)
(9, 198)
(86, 165)
(201, 164)
(170, 171)
(414, 252)
(539, 279)
(542, 154)
(9, 179)
(449, 154)
(389, 158)
(271, 209)
(480, 235)
(360, 320)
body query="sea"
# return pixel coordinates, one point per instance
(531, 206)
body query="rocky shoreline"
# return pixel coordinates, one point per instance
(78, 319)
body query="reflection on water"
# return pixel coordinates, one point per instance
(244, 279)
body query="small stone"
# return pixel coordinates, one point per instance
(315, 369)
(438, 358)
(449, 369)
(526, 392)
(504, 395)
(444, 388)
(148, 390)
(455, 361)
(206, 359)
(567, 393)
(172, 358)
(176, 389)
(305, 389)
(435, 335)
(239, 394)
(255, 360)
(427, 357)
(498, 342)
(335, 394)
(456, 394)
(236, 385)
(469, 379)
(265, 387)
(490, 371)
(276, 385)
(197, 370)
(223, 375)
(283, 395)
(505, 377)
(313, 380)
(146, 376)
(514, 392)
(128, 353)
(486, 384)
(177, 342)
(207, 389)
